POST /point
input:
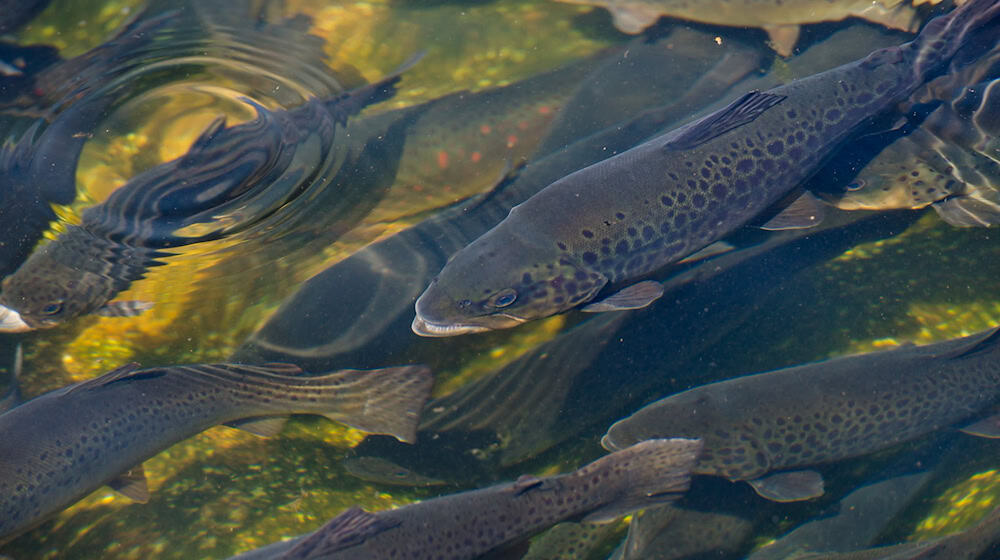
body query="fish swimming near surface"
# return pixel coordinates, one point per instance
(227, 171)
(779, 18)
(588, 239)
(64, 444)
(470, 524)
(766, 428)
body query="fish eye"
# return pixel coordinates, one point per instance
(504, 298)
(856, 185)
(52, 308)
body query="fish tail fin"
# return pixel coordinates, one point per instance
(352, 102)
(381, 401)
(943, 36)
(652, 472)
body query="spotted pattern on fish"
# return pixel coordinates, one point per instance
(60, 446)
(826, 411)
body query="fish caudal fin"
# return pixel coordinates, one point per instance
(655, 472)
(382, 401)
(353, 102)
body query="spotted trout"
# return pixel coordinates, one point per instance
(62, 445)
(765, 428)
(589, 238)
(470, 524)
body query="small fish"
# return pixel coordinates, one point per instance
(594, 234)
(765, 428)
(83, 269)
(62, 445)
(469, 524)
(779, 18)
(383, 471)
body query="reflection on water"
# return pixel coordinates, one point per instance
(194, 182)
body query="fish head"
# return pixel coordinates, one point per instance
(44, 293)
(500, 281)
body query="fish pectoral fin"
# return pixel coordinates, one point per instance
(132, 485)
(968, 211)
(263, 426)
(738, 113)
(634, 17)
(635, 296)
(783, 38)
(351, 528)
(987, 427)
(805, 212)
(715, 249)
(123, 308)
(791, 486)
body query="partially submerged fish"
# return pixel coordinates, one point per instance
(62, 445)
(383, 471)
(227, 170)
(469, 524)
(595, 233)
(779, 18)
(766, 428)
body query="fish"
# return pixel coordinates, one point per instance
(62, 445)
(766, 428)
(779, 18)
(589, 238)
(383, 471)
(469, 524)
(118, 240)
(670, 532)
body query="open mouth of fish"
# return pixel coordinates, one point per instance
(424, 327)
(11, 321)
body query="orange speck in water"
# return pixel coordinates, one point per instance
(511, 141)
(485, 129)
(442, 159)
(475, 157)
(523, 125)
(545, 110)
(417, 188)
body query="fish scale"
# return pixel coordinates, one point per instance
(607, 225)
(825, 411)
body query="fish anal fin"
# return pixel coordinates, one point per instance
(350, 528)
(263, 426)
(715, 249)
(791, 486)
(635, 296)
(738, 113)
(634, 17)
(783, 38)
(804, 212)
(968, 211)
(988, 427)
(986, 342)
(123, 308)
(132, 484)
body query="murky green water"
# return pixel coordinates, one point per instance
(502, 84)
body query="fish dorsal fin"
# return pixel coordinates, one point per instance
(740, 112)
(264, 426)
(123, 308)
(348, 529)
(206, 137)
(988, 341)
(116, 374)
(132, 484)
(524, 483)
(635, 296)
(804, 212)
(783, 38)
(792, 486)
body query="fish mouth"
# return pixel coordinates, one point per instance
(11, 321)
(424, 327)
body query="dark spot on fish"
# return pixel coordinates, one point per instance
(648, 232)
(833, 114)
(526, 279)
(776, 148)
(620, 216)
(587, 233)
(812, 141)
(680, 220)
(666, 200)
(561, 245)
(792, 114)
(673, 176)
(757, 153)
(621, 248)
(705, 172)
(691, 183)
(744, 165)
(632, 232)
(681, 197)
(726, 172)
(698, 201)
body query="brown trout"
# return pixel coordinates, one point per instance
(59, 447)
(784, 420)
(779, 18)
(469, 524)
(594, 234)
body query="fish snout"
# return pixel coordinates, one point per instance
(11, 321)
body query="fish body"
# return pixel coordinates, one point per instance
(827, 411)
(780, 18)
(62, 445)
(604, 227)
(469, 524)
